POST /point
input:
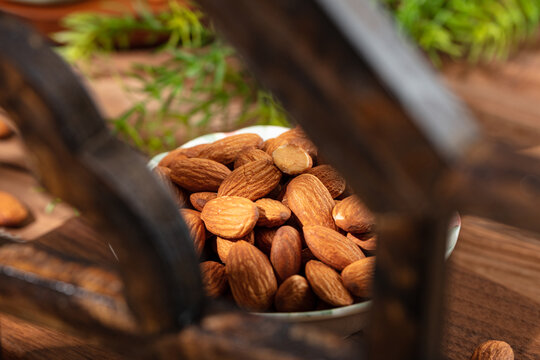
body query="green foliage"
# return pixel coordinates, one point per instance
(475, 29)
(202, 83)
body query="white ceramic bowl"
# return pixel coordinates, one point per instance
(345, 320)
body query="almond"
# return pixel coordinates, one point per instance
(330, 178)
(214, 278)
(164, 175)
(174, 154)
(286, 252)
(196, 228)
(12, 211)
(192, 151)
(252, 181)
(292, 159)
(294, 136)
(493, 350)
(353, 216)
(310, 201)
(198, 174)
(199, 199)
(327, 284)
(368, 245)
(251, 155)
(226, 150)
(251, 277)
(5, 130)
(223, 246)
(272, 213)
(294, 295)
(264, 238)
(331, 247)
(230, 217)
(358, 277)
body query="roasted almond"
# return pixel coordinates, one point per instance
(353, 216)
(294, 136)
(252, 181)
(286, 252)
(251, 278)
(272, 213)
(12, 211)
(327, 284)
(164, 174)
(264, 238)
(214, 278)
(196, 228)
(331, 247)
(330, 178)
(223, 246)
(198, 174)
(199, 199)
(251, 155)
(230, 217)
(493, 350)
(294, 294)
(310, 201)
(368, 244)
(358, 277)
(226, 150)
(174, 154)
(292, 159)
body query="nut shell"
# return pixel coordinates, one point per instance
(493, 350)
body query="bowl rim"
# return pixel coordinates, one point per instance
(269, 131)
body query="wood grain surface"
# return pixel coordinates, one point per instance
(493, 289)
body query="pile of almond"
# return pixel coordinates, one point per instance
(275, 228)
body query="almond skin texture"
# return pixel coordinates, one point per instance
(214, 278)
(174, 154)
(251, 155)
(196, 228)
(368, 245)
(272, 213)
(251, 277)
(12, 211)
(252, 181)
(292, 159)
(198, 174)
(353, 216)
(331, 247)
(294, 295)
(164, 174)
(230, 217)
(223, 246)
(226, 150)
(199, 199)
(310, 201)
(358, 277)
(330, 178)
(307, 255)
(286, 252)
(264, 238)
(493, 350)
(327, 284)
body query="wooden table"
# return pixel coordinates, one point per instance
(493, 287)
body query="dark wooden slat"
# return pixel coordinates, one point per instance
(80, 161)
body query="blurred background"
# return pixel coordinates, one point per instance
(163, 76)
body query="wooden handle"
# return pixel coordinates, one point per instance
(78, 160)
